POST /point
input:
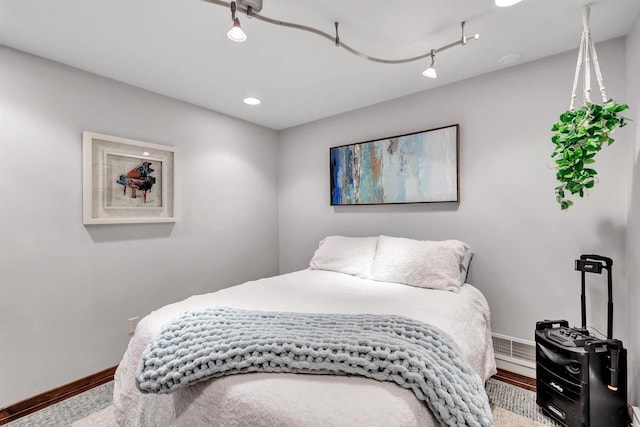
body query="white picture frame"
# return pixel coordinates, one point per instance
(127, 181)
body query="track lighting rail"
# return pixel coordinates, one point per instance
(335, 39)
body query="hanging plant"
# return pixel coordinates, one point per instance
(578, 136)
(580, 133)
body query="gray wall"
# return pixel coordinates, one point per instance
(60, 281)
(66, 290)
(525, 246)
(633, 235)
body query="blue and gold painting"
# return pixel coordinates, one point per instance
(420, 167)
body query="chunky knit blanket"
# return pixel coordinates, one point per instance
(210, 343)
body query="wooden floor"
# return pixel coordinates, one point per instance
(512, 378)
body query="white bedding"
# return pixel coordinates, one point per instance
(305, 400)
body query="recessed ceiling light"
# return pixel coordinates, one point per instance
(506, 3)
(252, 101)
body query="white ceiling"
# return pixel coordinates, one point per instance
(179, 48)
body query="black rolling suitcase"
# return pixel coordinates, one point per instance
(582, 380)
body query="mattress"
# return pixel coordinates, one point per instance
(263, 399)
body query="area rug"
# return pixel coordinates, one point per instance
(511, 407)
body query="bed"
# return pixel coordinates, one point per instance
(344, 277)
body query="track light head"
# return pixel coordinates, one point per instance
(431, 71)
(235, 33)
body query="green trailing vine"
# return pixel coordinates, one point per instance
(578, 137)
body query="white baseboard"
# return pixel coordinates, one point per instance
(636, 416)
(516, 368)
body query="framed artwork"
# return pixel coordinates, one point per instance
(127, 181)
(419, 167)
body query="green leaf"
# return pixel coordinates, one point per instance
(567, 117)
(574, 186)
(577, 137)
(565, 204)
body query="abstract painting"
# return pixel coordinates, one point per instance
(127, 181)
(420, 167)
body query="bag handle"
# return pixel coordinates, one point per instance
(586, 46)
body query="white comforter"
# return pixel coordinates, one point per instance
(305, 400)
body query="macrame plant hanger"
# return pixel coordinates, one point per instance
(586, 45)
(581, 133)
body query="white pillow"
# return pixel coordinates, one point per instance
(421, 263)
(349, 255)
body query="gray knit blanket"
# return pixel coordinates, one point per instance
(210, 343)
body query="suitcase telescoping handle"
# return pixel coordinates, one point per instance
(595, 264)
(614, 347)
(601, 259)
